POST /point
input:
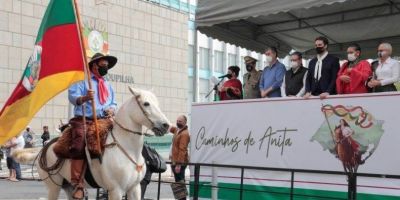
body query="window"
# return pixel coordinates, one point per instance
(241, 63)
(164, 2)
(190, 56)
(204, 58)
(191, 25)
(204, 89)
(175, 4)
(231, 59)
(218, 61)
(184, 5)
(190, 90)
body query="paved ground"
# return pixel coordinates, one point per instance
(30, 189)
(26, 190)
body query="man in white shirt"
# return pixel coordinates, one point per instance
(387, 72)
(15, 143)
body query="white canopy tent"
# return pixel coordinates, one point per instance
(294, 24)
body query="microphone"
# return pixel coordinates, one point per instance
(226, 75)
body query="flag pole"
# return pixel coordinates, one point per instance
(76, 9)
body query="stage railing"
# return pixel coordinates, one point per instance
(195, 185)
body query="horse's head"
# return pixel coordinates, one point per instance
(146, 111)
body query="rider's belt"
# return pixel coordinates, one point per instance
(90, 118)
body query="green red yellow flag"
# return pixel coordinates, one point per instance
(55, 64)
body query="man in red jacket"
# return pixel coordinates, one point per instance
(353, 74)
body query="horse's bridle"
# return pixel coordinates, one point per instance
(144, 113)
(116, 143)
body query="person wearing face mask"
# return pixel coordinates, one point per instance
(251, 79)
(294, 81)
(387, 72)
(354, 73)
(79, 95)
(179, 149)
(322, 71)
(272, 75)
(232, 88)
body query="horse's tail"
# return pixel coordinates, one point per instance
(43, 158)
(25, 156)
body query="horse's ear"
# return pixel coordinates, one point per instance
(134, 91)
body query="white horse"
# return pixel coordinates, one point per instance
(122, 166)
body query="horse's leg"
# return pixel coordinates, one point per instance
(68, 191)
(53, 183)
(134, 193)
(54, 192)
(115, 194)
(53, 188)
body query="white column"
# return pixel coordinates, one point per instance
(224, 58)
(195, 67)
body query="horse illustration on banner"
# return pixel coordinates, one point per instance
(350, 133)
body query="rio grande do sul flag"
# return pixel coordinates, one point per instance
(55, 64)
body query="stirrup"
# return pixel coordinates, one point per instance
(77, 190)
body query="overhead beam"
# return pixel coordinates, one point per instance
(314, 28)
(394, 5)
(388, 4)
(331, 23)
(260, 31)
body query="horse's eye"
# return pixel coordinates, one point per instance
(146, 104)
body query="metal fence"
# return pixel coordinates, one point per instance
(195, 185)
(351, 183)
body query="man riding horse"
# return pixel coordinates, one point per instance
(80, 95)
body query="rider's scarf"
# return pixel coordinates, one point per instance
(102, 89)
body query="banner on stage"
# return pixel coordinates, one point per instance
(352, 133)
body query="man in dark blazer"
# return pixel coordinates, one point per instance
(322, 71)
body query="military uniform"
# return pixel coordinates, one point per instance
(251, 87)
(251, 81)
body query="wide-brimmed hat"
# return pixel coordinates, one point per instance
(98, 56)
(249, 59)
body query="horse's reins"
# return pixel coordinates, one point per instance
(116, 143)
(126, 129)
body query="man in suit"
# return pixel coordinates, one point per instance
(322, 71)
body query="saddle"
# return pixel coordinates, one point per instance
(63, 146)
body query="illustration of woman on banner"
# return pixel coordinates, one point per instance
(347, 134)
(353, 137)
(346, 147)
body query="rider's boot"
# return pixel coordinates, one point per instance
(77, 167)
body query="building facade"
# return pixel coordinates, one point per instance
(149, 40)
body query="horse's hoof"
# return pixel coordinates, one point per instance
(78, 193)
